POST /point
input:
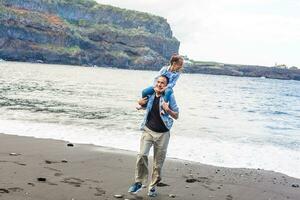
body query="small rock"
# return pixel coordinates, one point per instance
(295, 185)
(187, 186)
(70, 145)
(32, 184)
(64, 161)
(48, 161)
(190, 180)
(172, 195)
(41, 179)
(118, 196)
(14, 154)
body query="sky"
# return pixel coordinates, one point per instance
(257, 32)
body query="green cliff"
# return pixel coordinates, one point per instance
(83, 32)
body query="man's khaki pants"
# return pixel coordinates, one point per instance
(160, 143)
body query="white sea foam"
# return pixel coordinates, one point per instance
(203, 150)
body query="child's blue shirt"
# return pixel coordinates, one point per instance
(173, 76)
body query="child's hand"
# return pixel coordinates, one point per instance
(156, 90)
(165, 106)
(160, 90)
(143, 101)
(164, 89)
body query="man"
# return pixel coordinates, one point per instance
(156, 131)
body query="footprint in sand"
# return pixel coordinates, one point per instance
(58, 174)
(15, 162)
(100, 191)
(53, 169)
(3, 190)
(91, 180)
(13, 189)
(73, 181)
(209, 188)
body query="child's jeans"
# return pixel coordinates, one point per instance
(150, 90)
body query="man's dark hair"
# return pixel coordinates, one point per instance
(166, 78)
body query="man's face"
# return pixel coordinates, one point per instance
(161, 82)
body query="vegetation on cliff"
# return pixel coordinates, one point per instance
(83, 32)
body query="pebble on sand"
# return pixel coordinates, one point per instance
(191, 180)
(14, 154)
(172, 195)
(41, 179)
(32, 184)
(70, 145)
(48, 161)
(118, 196)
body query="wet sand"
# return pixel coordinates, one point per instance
(46, 169)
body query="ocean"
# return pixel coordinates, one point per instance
(225, 121)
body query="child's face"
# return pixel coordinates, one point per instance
(178, 65)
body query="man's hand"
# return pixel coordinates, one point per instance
(143, 101)
(165, 106)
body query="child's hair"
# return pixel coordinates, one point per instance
(175, 58)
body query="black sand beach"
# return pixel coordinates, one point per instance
(45, 169)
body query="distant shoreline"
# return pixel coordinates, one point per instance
(210, 69)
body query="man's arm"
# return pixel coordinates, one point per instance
(169, 111)
(172, 106)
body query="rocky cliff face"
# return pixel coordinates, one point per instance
(83, 32)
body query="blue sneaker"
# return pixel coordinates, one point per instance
(135, 188)
(152, 192)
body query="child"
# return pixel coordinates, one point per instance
(172, 72)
